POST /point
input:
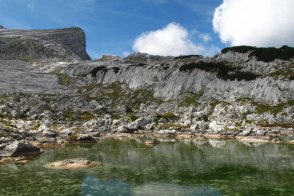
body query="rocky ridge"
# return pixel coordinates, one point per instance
(241, 92)
(37, 45)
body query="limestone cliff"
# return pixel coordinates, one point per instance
(228, 76)
(34, 45)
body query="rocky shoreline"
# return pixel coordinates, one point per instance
(48, 97)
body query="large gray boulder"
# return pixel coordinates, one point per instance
(19, 148)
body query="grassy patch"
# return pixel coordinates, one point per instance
(263, 108)
(189, 100)
(167, 116)
(29, 60)
(64, 79)
(85, 116)
(116, 94)
(132, 116)
(5, 122)
(286, 72)
(283, 125)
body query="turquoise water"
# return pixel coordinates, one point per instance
(212, 167)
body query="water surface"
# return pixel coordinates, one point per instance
(212, 167)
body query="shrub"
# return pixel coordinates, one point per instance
(167, 116)
(222, 70)
(264, 54)
(240, 49)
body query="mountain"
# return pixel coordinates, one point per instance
(36, 45)
(50, 89)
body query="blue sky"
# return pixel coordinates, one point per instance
(112, 26)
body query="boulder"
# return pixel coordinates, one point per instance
(72, 164)
(86, 138)
(18, 148)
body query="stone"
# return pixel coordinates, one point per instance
(72, 164)
(167, 132)
(49, 133)
(138, 124)
(216, 126)
(18, 148)
(86, 138)
(291, 142)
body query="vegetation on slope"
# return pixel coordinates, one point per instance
(264, 54)
(222, 70)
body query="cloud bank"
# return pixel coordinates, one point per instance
(172, 40)
(260, 23)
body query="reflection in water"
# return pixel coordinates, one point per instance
(93, 186)
(171, 189)
(210, 167)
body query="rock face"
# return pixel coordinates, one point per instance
(227, 76)
(60, 44)
(19, 76)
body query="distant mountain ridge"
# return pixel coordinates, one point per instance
(67, 44)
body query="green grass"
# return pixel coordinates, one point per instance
(167, 116)
(5, 122)
(64, 79)
(117, 94)
(189, 100)
(285, 72)
(132, 116)
(283, 125)
(263, 108)
(85, 116)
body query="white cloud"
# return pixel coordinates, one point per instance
(205, 37)
(255, 22)
(172, 40)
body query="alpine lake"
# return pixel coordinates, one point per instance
(129, 167)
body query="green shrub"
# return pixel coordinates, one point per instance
(222, 70)
(240, 49)
(186, 56)
(167, 116)
(189, 100)
(270, 54)
(64, 79)
(264, 54)
(132, 116)
(85, 116)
